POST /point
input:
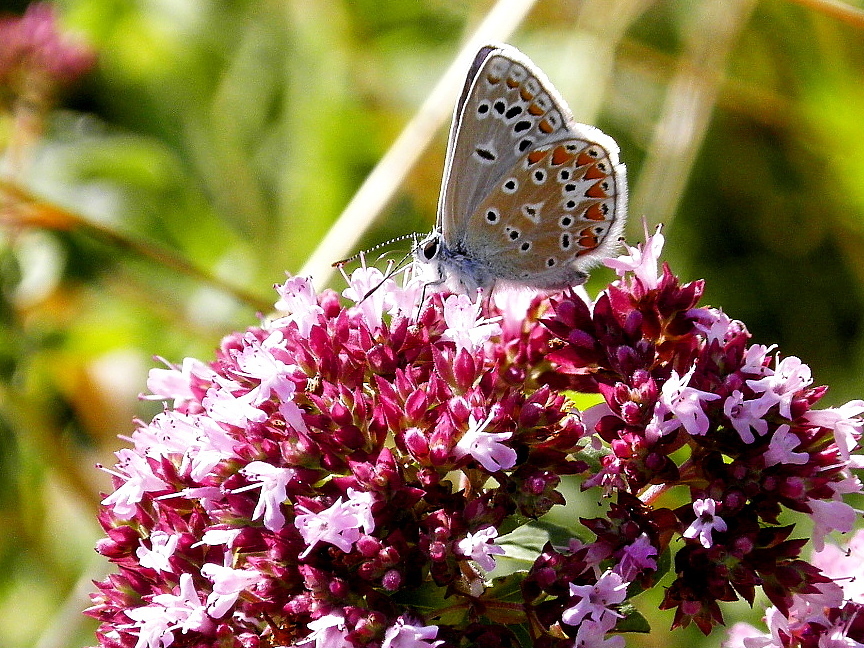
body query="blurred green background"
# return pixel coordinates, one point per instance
(215, 143)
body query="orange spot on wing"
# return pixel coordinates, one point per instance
(493, 79)
(596, 190)
(588, 247)
(526, 96)
(595, 213)
(512, 83)
(593, 173)
(535, 156)
(583, 158)
(545, 126)
(588, 243)
(535, 110)
(560, 155)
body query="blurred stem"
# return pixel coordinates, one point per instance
(39, 434)
(28, 115)
(836, 9)
(20, 208)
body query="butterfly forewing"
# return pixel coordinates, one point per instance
(507, 108)
(529, 196)
(553, 214)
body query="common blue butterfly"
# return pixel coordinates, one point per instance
(529, 196)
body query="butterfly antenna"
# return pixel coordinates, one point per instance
(354, 257)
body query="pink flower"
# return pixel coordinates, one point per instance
(486, 447)
(790, 377)
(705, 523)
(846, 423)
(327, 632)
(162, 547)
(637, 557)
(403, 634)
(685, 405)
(746, 416)
(465, 326)
(369, 289)
(780, 448)
(595, 600)
(273, 482)
(829, 516)
(176, 382)
(340, 524)
(33, 47)
(642, 261)
(338, 463)
(592, 634)
(480, 547)
(298, 301)
(138, 480)
(228, 584)
(223, 404)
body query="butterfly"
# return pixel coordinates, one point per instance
(529, 196)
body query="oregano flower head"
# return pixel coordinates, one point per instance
(359, 472)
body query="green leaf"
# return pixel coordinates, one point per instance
(633, 620)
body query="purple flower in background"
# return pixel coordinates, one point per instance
(36, 56)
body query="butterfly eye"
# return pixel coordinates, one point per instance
(430, 249)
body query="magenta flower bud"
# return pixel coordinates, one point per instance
(581, 339)
(464, 370)
(392, 580)
(633, 325)
(338, 588)
(341, 415)
(793, 488)
(349, 436)
(654, 461)
(691, 607)
(631, 413)
(368, 546)
(438, 551)
(416, 405)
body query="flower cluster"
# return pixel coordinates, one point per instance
(349, 475)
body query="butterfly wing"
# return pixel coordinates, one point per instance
(558, 211)
(507, 107)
